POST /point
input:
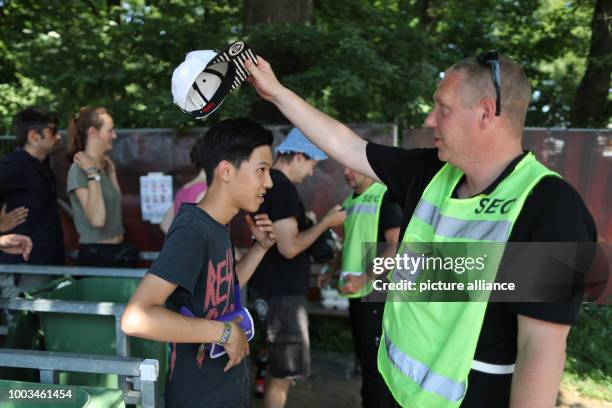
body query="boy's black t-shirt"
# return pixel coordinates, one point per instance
(277, 275)
(198, 257)
(554, 212)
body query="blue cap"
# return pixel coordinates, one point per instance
(296, 142)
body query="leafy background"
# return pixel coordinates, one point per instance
(359, 60)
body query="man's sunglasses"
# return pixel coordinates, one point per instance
(491, 59)
(52, 129)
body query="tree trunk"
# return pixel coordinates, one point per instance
(591, 106)
(109, 6)
(277, 11)
(283, 60)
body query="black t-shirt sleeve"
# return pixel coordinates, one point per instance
(281, 201)
(401, 169)
(555, 212)
(181, 259)
(390, 216)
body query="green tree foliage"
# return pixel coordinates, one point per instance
(359, 60)
(85, 53)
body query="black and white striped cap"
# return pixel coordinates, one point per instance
(201, 83)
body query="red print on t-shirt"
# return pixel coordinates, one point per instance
(219, 287)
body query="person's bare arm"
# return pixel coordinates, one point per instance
(92, 202)
(145, 316)
(331, 136)
(539, 363)
(291, 242)
(90, 197)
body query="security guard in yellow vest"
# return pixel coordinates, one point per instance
(371, 217)
(478, 185)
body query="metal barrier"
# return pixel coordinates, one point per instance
(73, 270)
(148, 256)
(142, 374)
(75, 307)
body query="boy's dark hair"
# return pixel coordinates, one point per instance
(233, 140)
(31, 118)
(194, 156)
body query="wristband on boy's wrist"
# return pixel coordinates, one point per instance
(227, 332)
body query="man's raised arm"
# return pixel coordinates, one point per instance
(331, 136)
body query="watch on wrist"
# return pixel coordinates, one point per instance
(94, 177)
(227, 332)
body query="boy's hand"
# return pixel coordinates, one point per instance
(237, 346)
(16, 244)
(262, 229)
(263, 79)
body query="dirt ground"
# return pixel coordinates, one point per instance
(319, 392)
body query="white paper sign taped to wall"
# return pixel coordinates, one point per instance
(155, 196)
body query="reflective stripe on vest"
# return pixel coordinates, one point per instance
(422, 375)
(451, 227)
(362, 209)
(400, 273)
(492, 368)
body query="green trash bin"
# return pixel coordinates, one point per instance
(24, 333)
(74, 333)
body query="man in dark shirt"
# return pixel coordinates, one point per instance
(194, 282)
(365, 311)
(283, 277)
(26, 180)
(478, 117)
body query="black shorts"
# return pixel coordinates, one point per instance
(287, 336)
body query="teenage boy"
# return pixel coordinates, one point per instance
(195, 270)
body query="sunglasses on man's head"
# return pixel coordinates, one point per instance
(491, 59)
